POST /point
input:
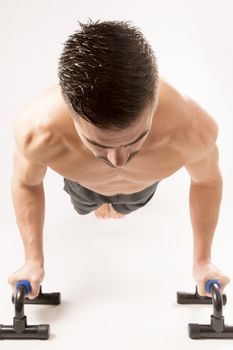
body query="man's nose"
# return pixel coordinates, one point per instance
(118, 157)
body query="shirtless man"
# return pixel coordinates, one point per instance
(112, 163)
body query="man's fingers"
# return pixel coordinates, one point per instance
(223, 285)
(202, 292)
(34, 291)
(12, 281)
(201, 287)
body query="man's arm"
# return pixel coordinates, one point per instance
(29, 204)
(204, 201)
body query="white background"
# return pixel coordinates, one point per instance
(118, 278)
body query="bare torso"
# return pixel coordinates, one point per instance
(165, 150)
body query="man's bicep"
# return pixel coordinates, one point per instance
(26, 171)
(206, 169)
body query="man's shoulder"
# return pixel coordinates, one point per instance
(191, 128)
(198, 133)
(36, 129)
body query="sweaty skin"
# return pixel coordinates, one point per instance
(181, 133)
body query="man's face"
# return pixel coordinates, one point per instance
(115, 148)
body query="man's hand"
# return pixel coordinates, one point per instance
(30, 271)
(204, 271)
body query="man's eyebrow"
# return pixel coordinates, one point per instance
(131, 143)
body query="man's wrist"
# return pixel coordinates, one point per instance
(202, 261)
(36, 261)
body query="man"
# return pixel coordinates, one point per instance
(113, 129)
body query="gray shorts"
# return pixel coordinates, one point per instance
(85, 200)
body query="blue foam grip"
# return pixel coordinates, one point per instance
(26, 284)
(209, 283)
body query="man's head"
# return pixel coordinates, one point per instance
(109, 80)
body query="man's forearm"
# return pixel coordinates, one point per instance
(29, 204)
(204, 203)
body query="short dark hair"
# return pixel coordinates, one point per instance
(108, 73)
